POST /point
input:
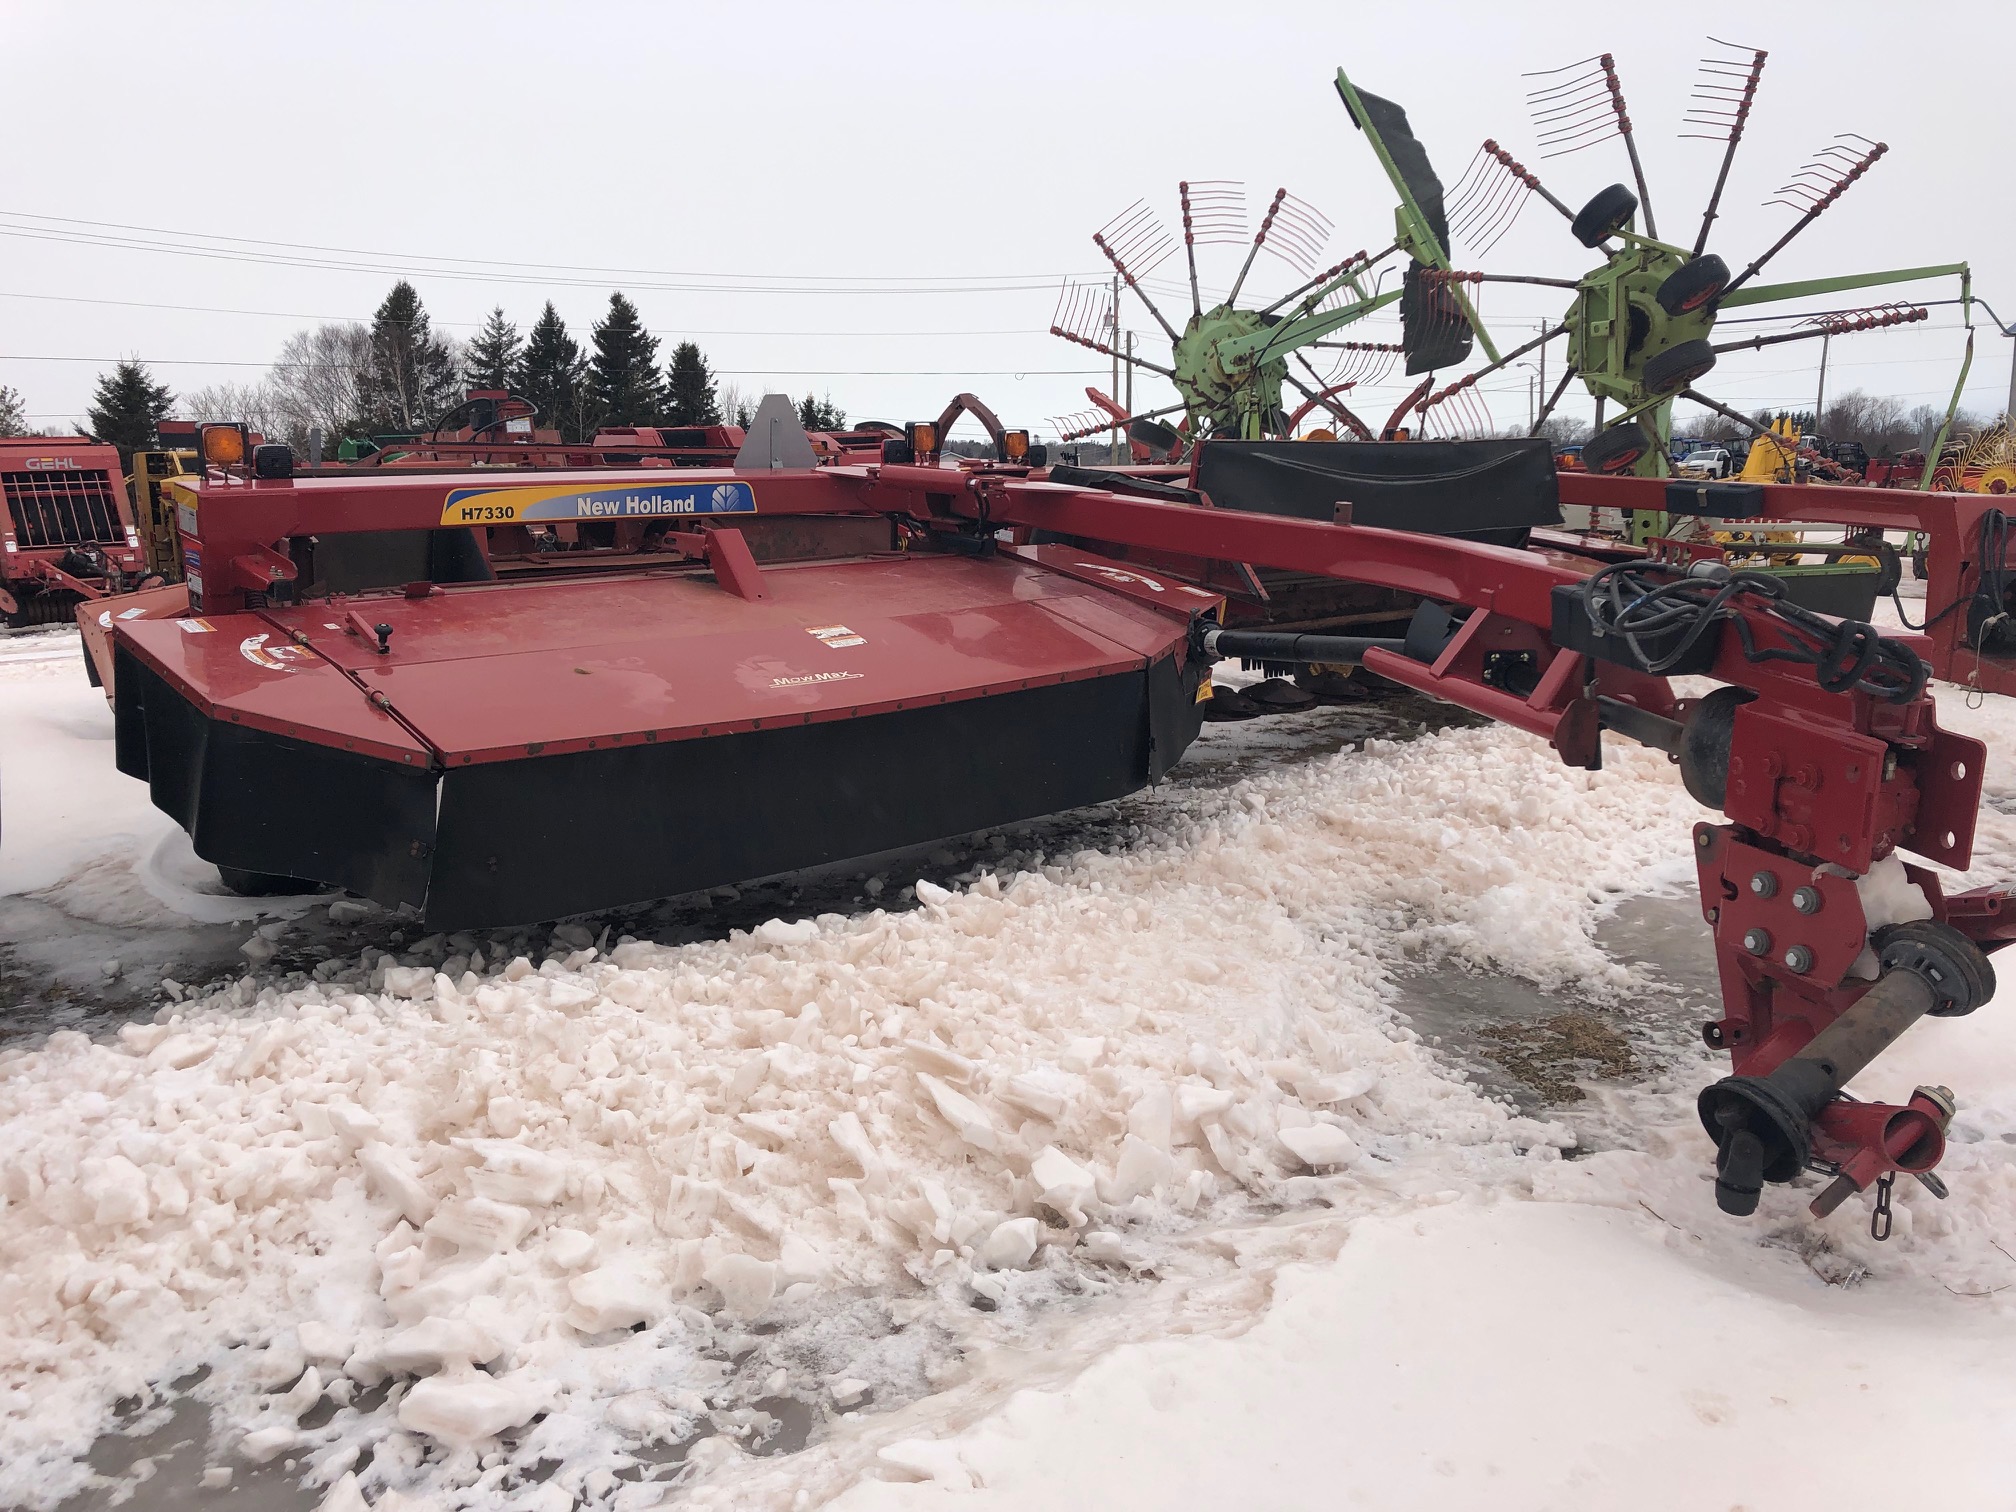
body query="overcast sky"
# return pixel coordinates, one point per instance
(879, 201)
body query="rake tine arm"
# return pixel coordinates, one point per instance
(1190, 247)
(1630, 142)
(1831, 326)
(1322, 397)
(1552, 400)
(1353, 265)
(1469, 380)
(1106, 351)
(1259, 239)
(1736, 125)
(1099, 240)
(1862, 166)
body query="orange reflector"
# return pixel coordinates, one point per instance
(222, 445)
(1015, 445)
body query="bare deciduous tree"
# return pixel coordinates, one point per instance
(314, 382)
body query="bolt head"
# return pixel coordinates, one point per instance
(1799, 959)
(1764, 884)
(1806, 899)
(1757, 941)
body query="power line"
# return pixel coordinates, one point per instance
(142, 304)
(1012, 284)
(726, 372)
(493, 262)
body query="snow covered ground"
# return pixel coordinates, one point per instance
(1098, 1175)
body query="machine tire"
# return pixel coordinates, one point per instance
(1676, 368)
(1705, 742)
(1889, 562)
(256, 884)
(1604, 215)
(1693, 284)
(1617, 449)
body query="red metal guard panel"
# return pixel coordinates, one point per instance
(493, 673)
(238, 669)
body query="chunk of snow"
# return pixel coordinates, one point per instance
(570, 1249)
(931, 892)
(928, 1460)
(344, 1496)
(324, 1343)
(461, 1410)
(847, 1391)
(1062, 1183)
(435, 1344)
(479, 1223)
(1341, 1087)
(777, 932)
(1141, 1168)
(616, 1296)
(117, 1190)
(392, 1175)
(745, 1283)
(1320, 1144)
(263, 1444)
(1009, 1246)
(964, 1114)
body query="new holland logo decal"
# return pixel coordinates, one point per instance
(648, 501)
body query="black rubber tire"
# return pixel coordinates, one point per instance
(1889, 562)
(254, 884)
(1677, 367)
(1617, 449)
(1693, 284)
(1605, 215)
(1704, 745)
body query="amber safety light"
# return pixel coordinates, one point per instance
(1014, 445)
(222, 445)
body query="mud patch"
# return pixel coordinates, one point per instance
(1553, 1056)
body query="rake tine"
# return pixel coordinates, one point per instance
(1817, 208)
(1126, 273)
(1735, 121)
(1259, 237)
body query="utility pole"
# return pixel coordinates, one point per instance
(1129, 400)
(1542, 325)
(2011, 410)
(1115, 344)
(1820, 399)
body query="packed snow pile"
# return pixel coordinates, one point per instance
(475, 1213)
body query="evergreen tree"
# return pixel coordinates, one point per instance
(13, 412)
(692, 400)
(624, 386)
(493, 354)
(550, 373)
(411, 374)
(127, 406)
(821, 414)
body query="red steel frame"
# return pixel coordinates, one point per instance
(1951, 523)
(23, 565)
(1821, 785)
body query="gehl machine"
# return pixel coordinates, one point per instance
(783, 662)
